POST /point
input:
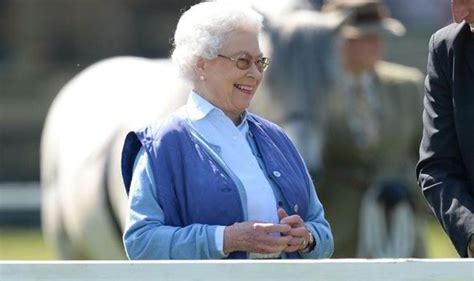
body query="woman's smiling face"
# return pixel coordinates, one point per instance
(224, 84)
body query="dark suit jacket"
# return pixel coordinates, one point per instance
(446, 167)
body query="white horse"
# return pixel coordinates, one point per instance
(84, 203)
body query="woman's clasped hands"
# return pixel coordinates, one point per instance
(289, 235)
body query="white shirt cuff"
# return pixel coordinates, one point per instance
(219, 238)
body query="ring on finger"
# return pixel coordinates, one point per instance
(303, 242)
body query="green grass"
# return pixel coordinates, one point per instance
(437, 242)
(28, 243)
(23, 244)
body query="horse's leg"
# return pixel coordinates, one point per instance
(89, 223)
(53, 225)
(52, 219)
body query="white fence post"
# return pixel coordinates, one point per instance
(285, 270)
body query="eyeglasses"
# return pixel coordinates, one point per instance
(244, 62)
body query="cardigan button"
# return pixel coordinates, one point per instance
(277, 174)
(296, 208)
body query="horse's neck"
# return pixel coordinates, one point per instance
(264, 104)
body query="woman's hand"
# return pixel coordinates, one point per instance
(298, 233)
(256, 237)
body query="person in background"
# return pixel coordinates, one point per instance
(445, 170)
(365, 179)
(214, 180)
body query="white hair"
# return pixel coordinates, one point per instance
(202, 30)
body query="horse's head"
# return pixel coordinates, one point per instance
(304, 68)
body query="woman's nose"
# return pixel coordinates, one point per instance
(254, 72)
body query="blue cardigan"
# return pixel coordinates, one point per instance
(195, 188)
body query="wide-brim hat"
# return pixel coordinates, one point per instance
(368, 17)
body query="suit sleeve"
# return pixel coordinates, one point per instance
(440, 170)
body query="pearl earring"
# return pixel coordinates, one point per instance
(201, 78)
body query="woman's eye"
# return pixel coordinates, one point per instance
(244, 61)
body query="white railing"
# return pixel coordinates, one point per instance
(321, 270)
(20, 196)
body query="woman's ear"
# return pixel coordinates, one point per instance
(199, 69)
(200, 66)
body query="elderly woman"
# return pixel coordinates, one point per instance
(214, 180)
